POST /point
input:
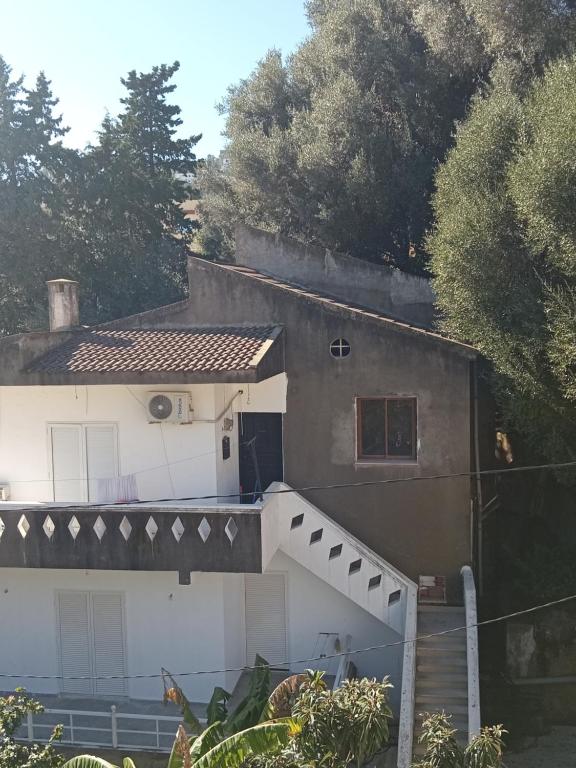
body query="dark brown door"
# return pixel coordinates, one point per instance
(261, 461)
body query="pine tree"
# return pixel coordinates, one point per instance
(128, 223)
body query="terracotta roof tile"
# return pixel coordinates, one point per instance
(199, 350)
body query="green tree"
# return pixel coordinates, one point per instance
(126, 225)
(342, 728)
(338, 144)
(13, 754)
(502, 40)
(32, 169)
(109, 217)
(504, 252)
(442, 749)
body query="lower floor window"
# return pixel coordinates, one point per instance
(386, 428)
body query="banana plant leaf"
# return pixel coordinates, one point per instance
(249, 710)
(258, 740)
(217, 710)
(207, 740)
(88, 761)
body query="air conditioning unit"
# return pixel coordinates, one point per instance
(169, 408)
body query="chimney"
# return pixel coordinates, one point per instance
(63, 304)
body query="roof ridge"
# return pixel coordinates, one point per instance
(331, 301)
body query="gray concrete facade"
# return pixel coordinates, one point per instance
(422, 527)
(405, 297)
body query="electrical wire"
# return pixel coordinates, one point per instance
(293, 662)
(337, 486)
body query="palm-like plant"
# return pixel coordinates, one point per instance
(206, 752)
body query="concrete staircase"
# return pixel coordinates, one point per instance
(441, 670)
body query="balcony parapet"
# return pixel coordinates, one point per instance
(136, 537)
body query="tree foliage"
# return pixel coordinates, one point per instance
(442, 749)
(341, 728)
(14, 709)
(337, 145)
(504, 251)
(505, 40)
(108, 216)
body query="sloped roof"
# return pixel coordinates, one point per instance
(331, 302)
(187, 350)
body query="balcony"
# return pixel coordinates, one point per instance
(136, 537)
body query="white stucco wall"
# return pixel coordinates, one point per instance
(167, 460)
(183, 628)
(178, 627)
(313, 607)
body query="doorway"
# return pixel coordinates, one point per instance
(261, 457)
(92, 643)
(266, 618)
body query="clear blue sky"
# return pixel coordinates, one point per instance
(85, 47)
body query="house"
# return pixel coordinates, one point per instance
(134, 455)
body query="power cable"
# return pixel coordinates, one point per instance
(334, 486)
(293, 662)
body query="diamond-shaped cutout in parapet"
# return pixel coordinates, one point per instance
(99, 527)
(151, 528)
(178, 529)
(2, 527)
(231, 530)
(49, 527)
(23, 526)
(204, 530)
(74, 527)
(125, 528)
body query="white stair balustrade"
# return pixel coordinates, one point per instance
(315, 541)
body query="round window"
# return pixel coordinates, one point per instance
(340, 348)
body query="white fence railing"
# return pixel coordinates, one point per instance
(472, 652)
(113, 729)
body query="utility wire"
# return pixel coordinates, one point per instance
(334, 486)
(293, 662)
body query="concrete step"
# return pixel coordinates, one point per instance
(445, 700)
(438, 649)
(433, 662)
(453, 640)
(441, 620)
(438, 678)
(446, 609)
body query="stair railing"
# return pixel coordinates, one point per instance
(474, 722)
(407, 698)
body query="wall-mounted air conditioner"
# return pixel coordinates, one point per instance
(169, 408)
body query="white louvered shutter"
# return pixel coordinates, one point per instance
(266, 618)
(108, 629)
(75, 641)
(101, 459)
(68, 463)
